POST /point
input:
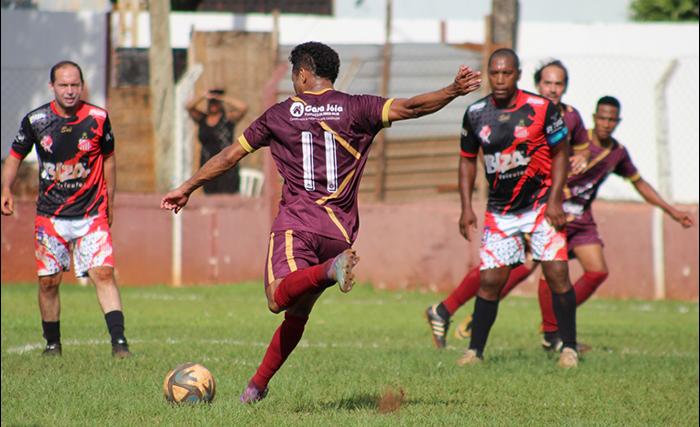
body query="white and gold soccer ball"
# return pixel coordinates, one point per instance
(189, 383)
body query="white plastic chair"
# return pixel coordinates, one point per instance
(251, 182)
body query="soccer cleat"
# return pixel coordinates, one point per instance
(470, 357)
(120, 349)
(568, 358)
(342, 266)
(556, 344)
(438, 326)
(464, 330)
(53, 349)
(251, 394)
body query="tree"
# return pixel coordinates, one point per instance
(664, 10)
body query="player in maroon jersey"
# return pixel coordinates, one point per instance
(524, 141)
(77, 179)
(551, 79)
(320, 141)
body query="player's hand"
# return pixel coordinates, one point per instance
(175, 200)
(467, 80)
(579, 163)
(683, 218)
(555, 215)
(467, 223)
(8, 203)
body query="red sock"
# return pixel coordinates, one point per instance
(517, 275)
(549, 319)
(283, 342)
(464, 292)
(587, 284)
(299, 282)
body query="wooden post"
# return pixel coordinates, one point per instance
(161, 90)
(380, 141)
(504, 22)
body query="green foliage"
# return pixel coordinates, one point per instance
(643, 369)
(664, 10)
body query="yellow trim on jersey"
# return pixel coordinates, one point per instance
(318, 92)
(245, 144)
(270, 274)
(340, 189)
(634, 178)
(385, 112)
(580, 147)
(341, 140)
(597, 160)
(297, 99)
(567, 193)
(337, 223)
(289, 250)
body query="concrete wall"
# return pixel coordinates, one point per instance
(402, 246)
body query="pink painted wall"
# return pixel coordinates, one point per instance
(401, 245)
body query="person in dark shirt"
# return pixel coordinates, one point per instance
(320, 140)
(77, 182)
(216, 126)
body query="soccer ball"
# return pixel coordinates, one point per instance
(189, 383)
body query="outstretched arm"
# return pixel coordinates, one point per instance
(466, 81)
(217, 165)
(467, 177)
(9, 173)
(192, 109)
(652, 197)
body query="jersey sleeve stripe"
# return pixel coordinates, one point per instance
(341, 140)
(245, 144)
(466, 154)
(385, 112)
(634, 178)
(579, 147)
(337, 223)
(16, 155)
(289, 250)
(337, 192)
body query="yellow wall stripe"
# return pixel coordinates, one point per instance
(297, 99)
(385, 113)
(337, 223)
(245, 144)
(340, 189)
(341, 140)
(270, 274)
(289, 250)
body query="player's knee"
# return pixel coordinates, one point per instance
(273, 306)
(102, 276)
(49, 283)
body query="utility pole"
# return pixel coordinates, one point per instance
(162, 91)
(380, 141)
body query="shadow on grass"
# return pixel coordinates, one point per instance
(367, 402)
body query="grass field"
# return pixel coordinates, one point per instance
(643, 369)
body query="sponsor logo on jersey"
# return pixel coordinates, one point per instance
(485, 133)
(38, 116)
(521, 132)
(556, 126)
(46, 143)
(297, 109)
(504, 117)
(61, 172)
(84, 144)
(465, 132)
(503, 162)
(535, 101)
(478, 106)
(66, 129)
(96, 112)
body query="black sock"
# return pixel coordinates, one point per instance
(115, 325)
(551, 336)
(484, 315)
(565, 310)
(52, 331)
(442, 311)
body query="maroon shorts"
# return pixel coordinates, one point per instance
(292, 250)
(582, 231)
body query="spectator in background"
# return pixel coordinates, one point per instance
(216, 126)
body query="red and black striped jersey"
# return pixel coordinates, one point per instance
(71, 153)
(516, 143)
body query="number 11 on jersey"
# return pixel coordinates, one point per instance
(307, 147)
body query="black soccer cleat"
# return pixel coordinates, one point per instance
(120, 349)
(438, 326)
(555, 344)
(53, 349)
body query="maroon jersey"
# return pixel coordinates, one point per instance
(574, 123)
(516, 145)
(71, 154)
(581, 189)
(320, 142)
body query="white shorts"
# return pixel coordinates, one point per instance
(89, 238)
(503, 240)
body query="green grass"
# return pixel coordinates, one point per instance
(643, 369)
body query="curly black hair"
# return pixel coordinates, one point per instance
(316, 57)
(554, 63)
(609, 100)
